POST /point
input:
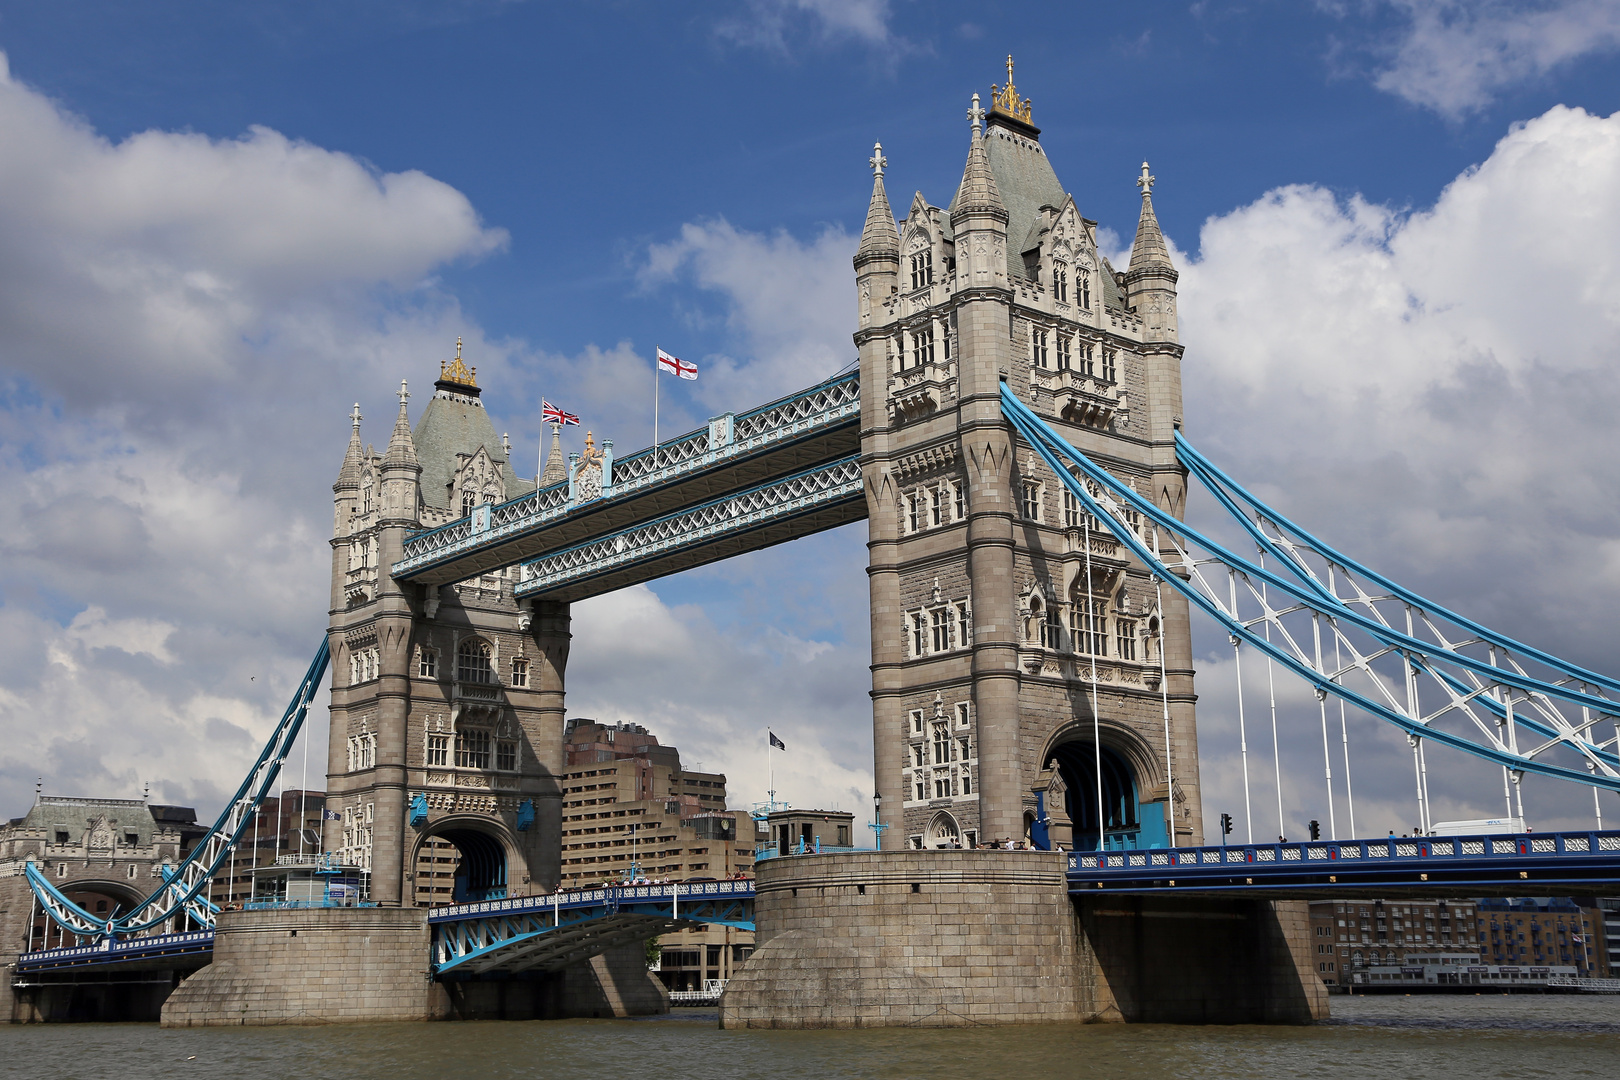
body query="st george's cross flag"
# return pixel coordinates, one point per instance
(676, 366)
(778, 743)
(551, 414)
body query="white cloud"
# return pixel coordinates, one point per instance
(1455, 56)
(772, 24)
(183, 323)
(1431, 392)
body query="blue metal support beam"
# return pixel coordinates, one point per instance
(1503, 865)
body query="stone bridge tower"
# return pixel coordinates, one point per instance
(447, 702)
(1007, 628)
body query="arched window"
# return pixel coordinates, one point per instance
(944, 833)
(473, 662)
(469, 499)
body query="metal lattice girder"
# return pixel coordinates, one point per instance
(801, 430)
(552, 932)
(1490, 865)
(185, 886)
(808, 502)
(1384, 650)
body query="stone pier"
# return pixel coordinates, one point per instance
(960, 938)
(368, 965)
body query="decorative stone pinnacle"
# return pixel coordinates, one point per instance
(404, 395)
(877, 160)
(1146, 181)
(355, 416)
(976, 114)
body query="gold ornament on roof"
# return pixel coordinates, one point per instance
(1004, 100)
(457, 371)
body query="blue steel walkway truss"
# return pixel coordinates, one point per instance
(547, 933)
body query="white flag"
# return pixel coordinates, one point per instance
(676, 366)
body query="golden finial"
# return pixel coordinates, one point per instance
(457, 371)
(1005, 101)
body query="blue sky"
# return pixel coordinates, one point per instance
(222, 224)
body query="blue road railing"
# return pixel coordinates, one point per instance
(1531, 862)
(112, 951)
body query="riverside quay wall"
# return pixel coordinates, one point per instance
(367, 965)
(954, 938)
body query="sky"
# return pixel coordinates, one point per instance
(221, 225)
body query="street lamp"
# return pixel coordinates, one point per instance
(877, 825)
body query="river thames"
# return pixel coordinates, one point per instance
(1441, 1036)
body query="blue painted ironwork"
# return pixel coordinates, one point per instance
(418, 812)
(184, 887)
(551, 932)
(109, 950)
(1540, 863)
(525, 815)
(686, 532)
(814, 412)
(1494, 696)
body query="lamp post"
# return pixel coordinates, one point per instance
(877, 825)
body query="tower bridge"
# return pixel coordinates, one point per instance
(1012, 437)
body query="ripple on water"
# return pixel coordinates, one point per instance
(1478, 1038)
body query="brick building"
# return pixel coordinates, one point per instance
(1544, 931)
(285, 824)
(1347, 935)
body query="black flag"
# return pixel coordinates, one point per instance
(778, 743)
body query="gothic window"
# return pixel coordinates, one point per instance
(967, 782)
(472, 749)
(942, 783)
(916, 721)
(940, 619)
(919, 634)
(365, 496)
(1085, 290)
(936, 506)
(945, 345)
(1051, 630)
(473, 662)
(1039, 338)
(1030, 502)
(1125, 638)
(438, 749)
(922, 347)
(964, 632)
(469, 499)
(962, 721)
(1088, 366)
(1063, 351)
(922, 268)
(1109, 372)
(506, 755)
(917, 755)
(1071, 509)
(1088, 622)
(942, 743)
(960, 491)
(520, 672)
(1060, 283)
(922, 794)
(916, 510)
(427, 663)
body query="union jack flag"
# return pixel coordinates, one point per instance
(550, 414)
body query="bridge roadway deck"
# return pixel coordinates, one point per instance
(1540, 864)
(552, 932)
(134, 954)
(786, 436)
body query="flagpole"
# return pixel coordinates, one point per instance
(655, 415)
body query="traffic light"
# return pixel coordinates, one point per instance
(1316, 830)
(1226, 824)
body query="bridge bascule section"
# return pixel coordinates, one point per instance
(1012, 437)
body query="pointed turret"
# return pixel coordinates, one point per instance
(401, 471)
(977, 193)
(879, 237)
(1149, 248)
(349, 474)
(556, 470)
(1150, 283)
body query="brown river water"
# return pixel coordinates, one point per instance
(1467, 1038)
